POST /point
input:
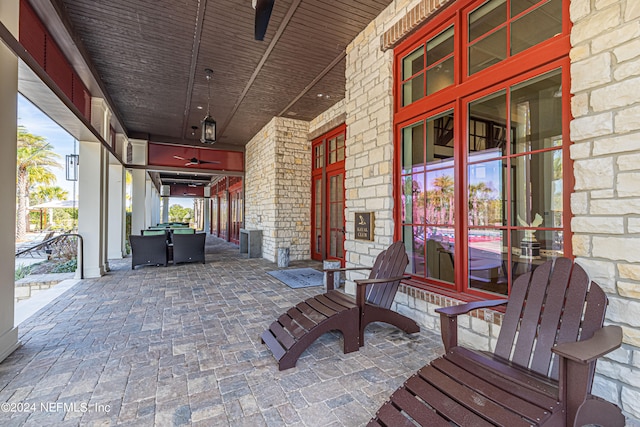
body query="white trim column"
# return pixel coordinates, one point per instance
(207, 209)
(105, 208)
(149, 204)
(138, 198)
(116, 208)
(155, 213)
(9, 13)
(90, 206)
(138, 186)
(101, 121)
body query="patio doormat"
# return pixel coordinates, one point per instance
(298, 277)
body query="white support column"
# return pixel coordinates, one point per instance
(9, 10)
(90, 206)
(138, 198)
(148, 203)
(156, 206)
(165, 209)
(101, 121)
(116, 217)
(105, 208)
(207, 209)
(138, 186)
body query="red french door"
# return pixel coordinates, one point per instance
(328, 196)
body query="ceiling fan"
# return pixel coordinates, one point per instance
(263, 14)
(195, 161)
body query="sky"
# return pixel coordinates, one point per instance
(38, 123)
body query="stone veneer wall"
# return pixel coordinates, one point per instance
(278, 187)
(331, 118)
(606, 205)
(369, 143)
(605, 81)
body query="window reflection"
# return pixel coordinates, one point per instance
(486, 193)
(440, 61)
(536, 113)
(531, 248)
(428, 196)
(412, 147)
(488, 260)
(488, 127)
(536, 26)
(537, 189)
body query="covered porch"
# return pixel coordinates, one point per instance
(180, 345)
(346, 109)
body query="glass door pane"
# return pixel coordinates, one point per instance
(336, 216)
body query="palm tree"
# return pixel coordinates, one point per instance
(33, 161)
(477, 192)
(444, 184)
(42, 194)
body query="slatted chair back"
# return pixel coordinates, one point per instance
(391, 262)
(555, 304)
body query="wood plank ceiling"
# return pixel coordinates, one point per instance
(151, 54)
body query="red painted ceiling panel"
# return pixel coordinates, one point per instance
(31, 33)
(186, 191)
(195, 158)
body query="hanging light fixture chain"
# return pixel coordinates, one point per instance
(209, 73)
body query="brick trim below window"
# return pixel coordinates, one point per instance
(488, 315)
(424, 11)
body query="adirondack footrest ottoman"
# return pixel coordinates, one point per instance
(301, 325)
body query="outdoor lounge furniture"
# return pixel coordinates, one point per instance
(154, 232)
(294, 331)
(148, 250)
(542, 368)
(188, 247)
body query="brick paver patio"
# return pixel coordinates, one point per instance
(180, 346)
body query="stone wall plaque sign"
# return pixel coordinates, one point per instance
(364, 226)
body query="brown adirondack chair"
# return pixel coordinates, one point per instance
(294, 331)
(542, 368)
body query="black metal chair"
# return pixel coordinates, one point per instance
(188, 247)
(148, 250)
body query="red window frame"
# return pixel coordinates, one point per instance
(548, 55)
(319, 172)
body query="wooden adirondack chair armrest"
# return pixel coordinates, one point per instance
(457, 310)
(331, 271)
(361, 286)
(603, 341)
(449, 319)
(362, 282)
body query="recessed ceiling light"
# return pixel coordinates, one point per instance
(292, 113)
(199, 107)
(319, 95)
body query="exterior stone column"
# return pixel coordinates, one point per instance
(91, 207)
(278, 187)
(116, 208)
(9, 10)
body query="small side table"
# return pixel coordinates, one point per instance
(251, 243)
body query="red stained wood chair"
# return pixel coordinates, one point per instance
(294, 331)
(542, 368)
